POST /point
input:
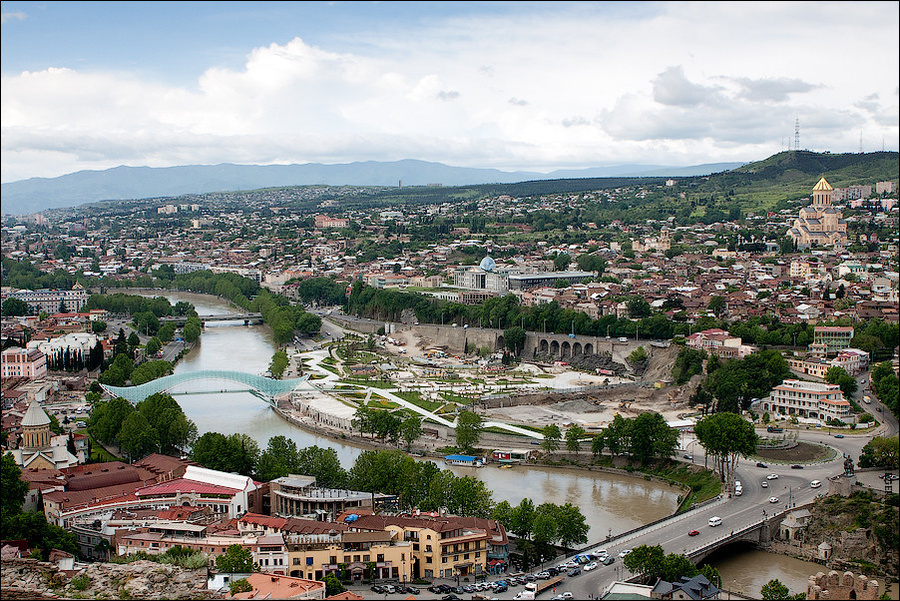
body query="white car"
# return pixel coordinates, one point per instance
(773, 499)
(624, 553)
(590, 566)
(765, 484)
(815, 484)
(772, 477)
(563, 596)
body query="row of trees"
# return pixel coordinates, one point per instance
(646, 438)
(732, 385)
(388, 425)
(539, 528)
(884, 383)
(155, 425)
(651, 563)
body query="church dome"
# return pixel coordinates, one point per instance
(487, 264)
(35, 416)
(823, 186)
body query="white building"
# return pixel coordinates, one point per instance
(809, 400)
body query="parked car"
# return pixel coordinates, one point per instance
(688, 456)
(693, 533)
(590, 566)
(544, 575)
(574, 572)
(609, 560)
(378, 589)
(414, 590)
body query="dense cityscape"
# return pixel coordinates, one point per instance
(691, 335)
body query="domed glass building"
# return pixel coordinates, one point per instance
(487, 264)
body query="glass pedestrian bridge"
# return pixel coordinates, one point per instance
(265, 387)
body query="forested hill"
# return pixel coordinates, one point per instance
(793, 174)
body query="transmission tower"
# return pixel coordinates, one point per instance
(797, 134)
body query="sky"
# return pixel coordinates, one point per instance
(516, 86)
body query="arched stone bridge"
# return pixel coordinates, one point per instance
(266, 387)
(562, 346)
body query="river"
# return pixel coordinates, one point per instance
(746, 571)
(611, 502)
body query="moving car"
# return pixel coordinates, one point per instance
(765, 484)
(815, 484)
(693, 533)
(624, 552)
(838, 435)
(761, 464)
(715, 521)
(772, 477)
(609, 560)
(773, 499)
(796, 466)
(574, 572)
(590, 566)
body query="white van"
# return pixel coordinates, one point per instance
(815, 484)
(715, 521)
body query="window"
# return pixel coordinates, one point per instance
(333, 559)
(443, 560)
(466, 556)
(367, 558)
(346, 559)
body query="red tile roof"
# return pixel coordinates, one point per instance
(183, 485)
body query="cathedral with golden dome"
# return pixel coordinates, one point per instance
(820, 223)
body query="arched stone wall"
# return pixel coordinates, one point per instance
(841, 586)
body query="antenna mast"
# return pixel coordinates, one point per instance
(797, 134)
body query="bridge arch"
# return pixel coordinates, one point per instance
(588, 348)
(267, 387)
(544, 347)
(576, 349)
(565, 350)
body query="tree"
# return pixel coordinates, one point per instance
(552, 436)
(14, 306)
(726, 436)
(717, 305)
(652, 438)
(278, 364)
(573, 438)
(775, 591)
(644, 560)
(192, 328)
(617, 435)
(333, 586)
(323, 464)
(235, 559)
(279, 459)
(468, 430)
(571, 526)
(152, 347)
(514, 339)
(839, 376)
(137, 438)
(521, 518)
(881, 452)
(411, 429)
(12, 491)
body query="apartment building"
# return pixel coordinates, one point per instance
(808, 400)
(17, 362)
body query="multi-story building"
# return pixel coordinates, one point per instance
(445, 546)
(809, 400)
(17, 362)
(716, 342)
(834, 338)
(53, 301)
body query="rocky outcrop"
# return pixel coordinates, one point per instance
(32, 579)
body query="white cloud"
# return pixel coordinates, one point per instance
(684, 83)
(12, 16)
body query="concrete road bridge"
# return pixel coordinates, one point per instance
(247, 318)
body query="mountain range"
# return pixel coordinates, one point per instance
(127, 183)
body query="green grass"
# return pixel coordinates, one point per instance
(418, 401)
(99, 454)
